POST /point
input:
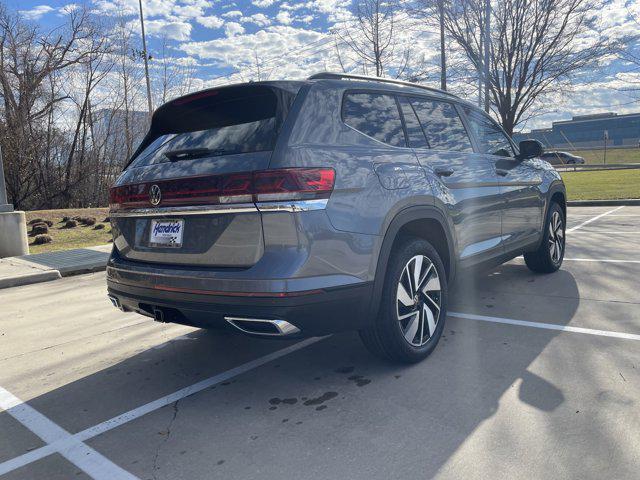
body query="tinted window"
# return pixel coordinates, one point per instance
(491, 138)
(415, 135)
(376, 115)
(214, 123)
(442, 125)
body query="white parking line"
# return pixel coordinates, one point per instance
(68, 442)
(545, 326)
(607, 232)
(600, 260)
(573, 214)
(78, 453)
(587, 222)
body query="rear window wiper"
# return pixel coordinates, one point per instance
(191, 153)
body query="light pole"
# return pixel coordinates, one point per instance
(487, 52)
(443, 60)
(146, 60)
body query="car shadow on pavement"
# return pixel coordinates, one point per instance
(377, 420)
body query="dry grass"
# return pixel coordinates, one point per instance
(66, 238)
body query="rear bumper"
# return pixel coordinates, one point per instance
(316, 312)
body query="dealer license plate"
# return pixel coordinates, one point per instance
(166, 233)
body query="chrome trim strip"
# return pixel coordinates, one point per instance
(281, 206)
(293, 205)
(191, 210)
(283, 327)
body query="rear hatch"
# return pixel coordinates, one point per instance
(185, 198)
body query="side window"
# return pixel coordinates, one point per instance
(415, 135)
(491, 138)
(376, 115)
(442, 125)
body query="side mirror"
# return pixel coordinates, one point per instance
(530, 149)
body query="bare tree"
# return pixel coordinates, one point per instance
(536, 47)
(29, 60)
(373, 37)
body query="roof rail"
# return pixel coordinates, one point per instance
(338, 76)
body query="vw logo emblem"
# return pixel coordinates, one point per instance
(155, 195)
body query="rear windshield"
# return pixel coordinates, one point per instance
(226, 121)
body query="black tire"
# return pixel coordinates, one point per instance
(386, 336)
(544, 260)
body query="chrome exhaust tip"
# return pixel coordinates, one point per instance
(261, 326)
(116, 303)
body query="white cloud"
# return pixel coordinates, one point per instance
(295, 6)
(259, 19)
(36, 12)
(284, 17)
(233, 28)
(210, 21)
(274, 48)
(151, 8)
(188, 11)
(232, 13)
(263, 3)
(335, 10)
(173, 30)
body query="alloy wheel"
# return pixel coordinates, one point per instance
(418, 298)
(556, 237)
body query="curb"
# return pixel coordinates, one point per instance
(603, 203)
(43, 267)
(68, 272)
(29, 278)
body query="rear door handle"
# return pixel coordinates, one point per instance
(502, 172)
(444, 172)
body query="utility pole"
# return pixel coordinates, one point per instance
(487, 52)
(480, 67)
(443, 61)
(146, 61)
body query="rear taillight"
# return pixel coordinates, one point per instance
(267, 185)
(293, 183)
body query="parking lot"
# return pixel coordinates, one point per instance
(535, 377)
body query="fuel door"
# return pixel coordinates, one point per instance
(391, 176)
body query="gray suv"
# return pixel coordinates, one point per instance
(300, 208)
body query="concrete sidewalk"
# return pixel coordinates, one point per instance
(43, 267)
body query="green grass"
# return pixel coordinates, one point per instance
(602, 185)
(66, 238)
(618, 155)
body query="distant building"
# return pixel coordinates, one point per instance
(588, 131)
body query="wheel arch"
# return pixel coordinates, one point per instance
(559, 197)
(557, 193)
(425, 222)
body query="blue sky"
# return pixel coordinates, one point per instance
(234, 40)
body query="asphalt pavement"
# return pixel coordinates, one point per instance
(536, 376)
